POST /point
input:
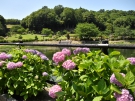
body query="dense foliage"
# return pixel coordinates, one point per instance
(67, 18)
(23, 72)
(3, 28)
(93, 76)
(12, 21)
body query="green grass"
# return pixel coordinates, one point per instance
(25, 36)
(10, 26)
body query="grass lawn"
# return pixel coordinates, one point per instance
(24, 36)
(10, 26)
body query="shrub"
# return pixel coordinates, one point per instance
(90, 75)
(23, 72)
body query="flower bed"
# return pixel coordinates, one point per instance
(81, 75)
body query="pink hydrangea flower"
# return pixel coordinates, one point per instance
(58, 57)
(11, 65)
(53, 90)
(19, 64)
(124, 96)
(115, 81)
(3, 56)
(69, 65)
(44, 73)
(132, 60)
(66, 51)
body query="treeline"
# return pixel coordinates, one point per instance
(13, 21)
(61, 17)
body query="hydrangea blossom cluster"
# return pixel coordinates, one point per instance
(58, 57)
(24, 57)
(115, 81)
(44, 73)
(13, 65)
(30, 51)
(132, 60)
(42, 56)
(53, 90)
(66, 51)
(69, 65)
(83, 50)
(124, 96)
(4, 56)
(1, 63)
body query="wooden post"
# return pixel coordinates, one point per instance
(105, 50)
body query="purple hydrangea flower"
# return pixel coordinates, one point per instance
(3, 56)
(30, 51)
(43, 57)
(132, 60)
(115, 81)
(77, 50)
(124, 96)
(24, 57)
(19, 64)
(44, 73)
(11, 65)
(83, 50)
(69, 65)
(1, 63)
(53, 90)
(58, 57)
(66, 51)
(9, 56)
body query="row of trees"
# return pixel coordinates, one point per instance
(67, 18)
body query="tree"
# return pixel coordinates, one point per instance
(3, 28)
(46, 31)
(86, 30)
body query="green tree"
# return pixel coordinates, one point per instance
(3, 28)
(46, 31)
(86, 30)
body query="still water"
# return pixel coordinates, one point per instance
(49, 51)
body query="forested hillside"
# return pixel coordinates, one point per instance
(64, 17)
(103, 22)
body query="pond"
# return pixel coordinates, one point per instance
(49, 51)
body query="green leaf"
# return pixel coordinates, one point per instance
(132, 86)
(98, 98)
(114, 53)
(101, 85)
(35, 93)
(23, 93)
(129, 78)
(120, 78)
(25, 97)
(28, 86)
(1, 74)
(83, 77)
(60, 93)
(58, 78)
(114, 88)
(11, 92)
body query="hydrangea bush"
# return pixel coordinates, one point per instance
(84, 75)
(23, 72)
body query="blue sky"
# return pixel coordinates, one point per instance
(19, 9)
